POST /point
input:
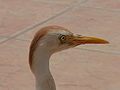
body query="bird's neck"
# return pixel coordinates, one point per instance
(40, 68)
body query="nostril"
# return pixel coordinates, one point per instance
(78, 35)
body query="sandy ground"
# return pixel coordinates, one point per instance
(89, 67)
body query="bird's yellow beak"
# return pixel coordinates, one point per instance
(79, 39)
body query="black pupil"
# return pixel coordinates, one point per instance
(63, 37)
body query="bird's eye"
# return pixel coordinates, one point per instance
(63, 37)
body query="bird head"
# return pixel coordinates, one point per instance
(56, 38)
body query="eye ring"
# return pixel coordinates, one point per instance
(63, 37)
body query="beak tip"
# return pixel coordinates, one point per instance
(106, 42)
(102, 42)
